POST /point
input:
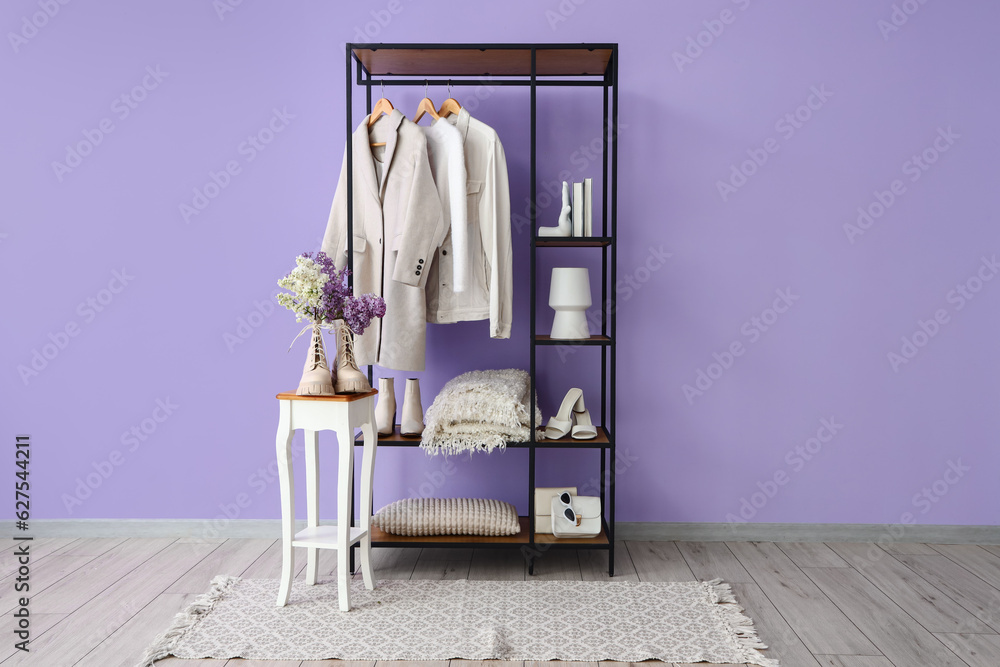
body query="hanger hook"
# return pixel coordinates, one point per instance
(449, 87)
(425, 87)
(382, 82)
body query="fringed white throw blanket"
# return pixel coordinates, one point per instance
(587, 621)
(480, 411)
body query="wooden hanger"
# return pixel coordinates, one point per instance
(425, 106)
(383, 106)
(450, 105)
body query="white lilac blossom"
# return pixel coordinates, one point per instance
(319, 293)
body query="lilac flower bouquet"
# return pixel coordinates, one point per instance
(318, 292)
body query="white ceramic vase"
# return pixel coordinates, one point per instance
(569, 296)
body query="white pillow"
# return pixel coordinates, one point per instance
(448, 516)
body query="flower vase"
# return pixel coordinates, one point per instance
(348, 378)
(316, 378)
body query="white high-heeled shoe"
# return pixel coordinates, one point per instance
(584, 429)
(385, 409)
(411, 421)
(561, 423)
(571, 410)
(565, 227)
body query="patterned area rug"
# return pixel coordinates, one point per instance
(585, 621)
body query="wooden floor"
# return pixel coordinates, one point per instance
(99, 602)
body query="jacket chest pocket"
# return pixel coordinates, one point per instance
(480, 241)
(360, 258)
(473, 192)
(360, 244)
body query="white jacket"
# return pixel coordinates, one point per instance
(490, 289)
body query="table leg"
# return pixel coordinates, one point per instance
(283, 446)
(312, 502)
(345, 492)
(367, 478)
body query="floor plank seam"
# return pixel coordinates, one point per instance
(69, 615)
(268, 548)
(114, 543)
(217, 546)
(894, 603)
(768, 598)
(36, 591)
(916, 574)
(964, 567)
(785, 618)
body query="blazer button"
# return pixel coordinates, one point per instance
(420, 261)
(444, 252)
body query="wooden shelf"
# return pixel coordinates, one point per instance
(569, 442)
(495, 60)
(553, 541)
(593, 340)
(396, 439)
(572, 242)
(600, 442)
(381, 538)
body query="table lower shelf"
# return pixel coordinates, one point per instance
(324, 537)
(380, 538)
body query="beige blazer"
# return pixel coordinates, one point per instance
(489, 290)
(397, 227)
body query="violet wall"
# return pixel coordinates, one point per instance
(825, 107)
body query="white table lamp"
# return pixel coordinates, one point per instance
(569, 296)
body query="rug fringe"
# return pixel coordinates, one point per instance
(741, 624)
(164, 645)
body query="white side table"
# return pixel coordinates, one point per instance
(341, 413)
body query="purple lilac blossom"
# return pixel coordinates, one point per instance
(338, 302)
(359, 311)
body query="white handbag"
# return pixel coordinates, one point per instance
(543, 504)
(586, 511)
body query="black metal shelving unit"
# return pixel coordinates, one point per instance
(532, 66)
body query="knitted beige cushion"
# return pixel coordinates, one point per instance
(448, 516)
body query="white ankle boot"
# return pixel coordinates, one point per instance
(348, 378)
(565, 227)
(411, 421)
(316, 379)
(385, 409)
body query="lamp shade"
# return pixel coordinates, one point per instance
(569, 296)
(570, 288)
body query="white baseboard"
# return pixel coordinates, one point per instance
(808, 532)
(179, 528)
(651, 531)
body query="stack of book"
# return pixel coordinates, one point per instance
(583, 208)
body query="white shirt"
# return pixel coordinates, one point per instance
(447, 157)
